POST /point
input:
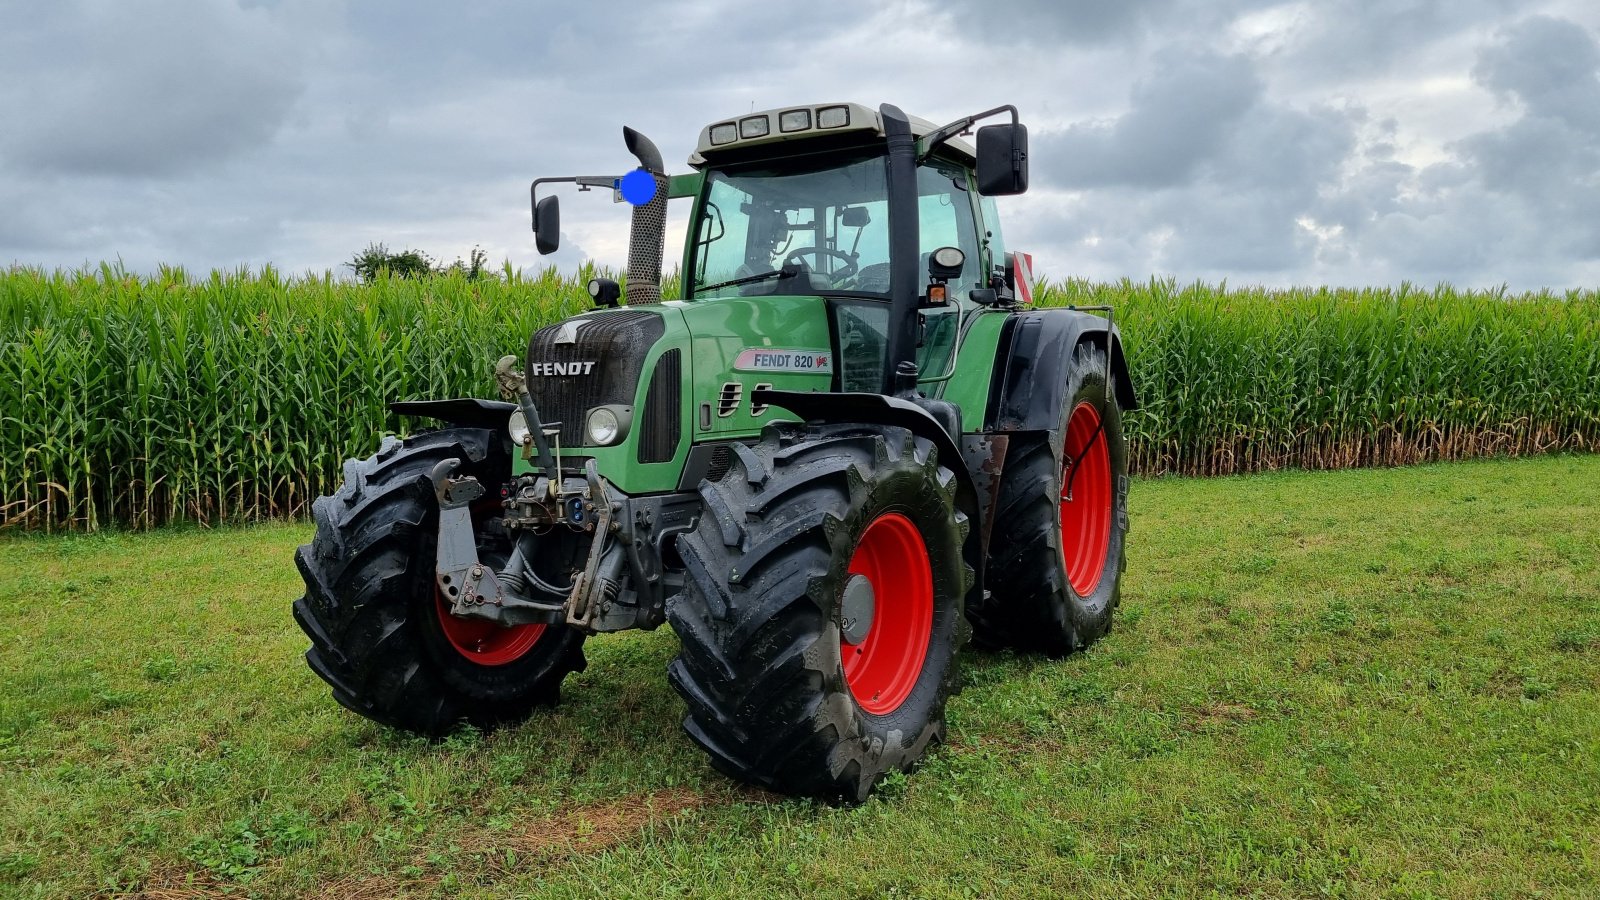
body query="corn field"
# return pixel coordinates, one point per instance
(141, 400)
(1236, 381)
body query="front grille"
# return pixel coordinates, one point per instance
(663, 419)
(565, 389)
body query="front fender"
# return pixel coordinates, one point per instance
(465, 412)
(826, 407)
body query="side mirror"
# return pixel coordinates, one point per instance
(547, 225)
(1002, 159)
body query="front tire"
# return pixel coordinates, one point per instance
(823, 609)
(1055, 567)
(381, 636)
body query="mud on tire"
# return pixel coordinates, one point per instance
(377, 634)
(762, 665)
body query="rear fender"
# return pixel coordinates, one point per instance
(1036, 346)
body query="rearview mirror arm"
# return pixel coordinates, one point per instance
(934, 138)
(584, 182)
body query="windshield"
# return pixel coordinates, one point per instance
(819, 227)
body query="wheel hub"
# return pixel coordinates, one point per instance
(484, 642)
(856, 608)
(886, 614)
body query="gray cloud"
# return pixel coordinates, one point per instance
(1180, 117)
(1245, 214)
(1549, 66)
(1519, 203)
(1076, 22)
(138, 92)
(1547, 162)
(1352, 141)
(1206, 172)
(1366, 38)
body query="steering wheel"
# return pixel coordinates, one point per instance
(819, 252)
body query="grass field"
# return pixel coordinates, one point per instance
(1363, 683)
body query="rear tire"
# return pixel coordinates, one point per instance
(380, 636)
(1055, 566)
(783, 689)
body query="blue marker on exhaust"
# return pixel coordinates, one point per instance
(638, 187)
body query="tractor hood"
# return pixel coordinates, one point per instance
(684, 373)
(596, 359)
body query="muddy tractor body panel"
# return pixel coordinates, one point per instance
(848, 447)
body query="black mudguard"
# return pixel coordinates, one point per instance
(827, 407)
(1035, 346)
(465, 412)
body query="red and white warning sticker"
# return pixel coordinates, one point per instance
(1023, 263)
(768, 359)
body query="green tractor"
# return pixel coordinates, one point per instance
(850, 446)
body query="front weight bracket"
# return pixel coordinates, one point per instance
(462, 578)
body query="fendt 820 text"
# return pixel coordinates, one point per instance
(852, 445)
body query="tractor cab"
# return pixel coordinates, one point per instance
(811, 201)
(808, 189)
(785, 217)
(821, 225)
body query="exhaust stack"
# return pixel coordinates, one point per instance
(647, 236)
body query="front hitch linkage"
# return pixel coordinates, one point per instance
(473, 589)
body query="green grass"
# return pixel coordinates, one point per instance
(1363, 683)
(236, 396)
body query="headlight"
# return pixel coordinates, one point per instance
(607, 425)
(754, 127)
(794, 120)
(949, 257)
(517, 427)
(833, 117)
(945, 263)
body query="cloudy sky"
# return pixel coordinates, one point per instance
(1321, 141)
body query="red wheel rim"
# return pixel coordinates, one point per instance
(1086, 514)
(485, 643)
(883, 668)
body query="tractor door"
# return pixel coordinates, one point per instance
(947, 217)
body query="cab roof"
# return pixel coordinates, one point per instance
(807, 122)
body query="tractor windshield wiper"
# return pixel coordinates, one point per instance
(785, 272)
